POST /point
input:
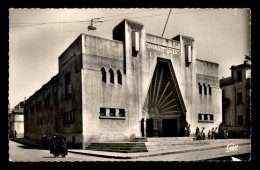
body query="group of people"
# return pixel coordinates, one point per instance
(200, 135)
(58, 145)
(213, 134)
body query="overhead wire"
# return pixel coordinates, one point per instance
(88, 21)
(35, 24)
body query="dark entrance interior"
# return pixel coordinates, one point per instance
(169, 127)
(142, 127)
(149, 128)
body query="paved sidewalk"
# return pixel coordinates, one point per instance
(216, 144)
(205, 145)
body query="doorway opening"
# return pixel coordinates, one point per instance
(169, 127)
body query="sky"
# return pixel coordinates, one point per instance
(37, 37)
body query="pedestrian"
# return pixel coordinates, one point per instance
(15, 133)
(188, 130)
(197, 131)
(209, 135)
(54, 146)
(216, 133)
(225, 133)
(202, 134)
(63, 145)
(212, 133)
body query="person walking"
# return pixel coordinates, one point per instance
(212, 133)
(63, 145)
(54, 146)
(202, 134)
(188, 130)
(197, 133)
(15, 133)
(209, 135)
(225, 133)
(216, 133)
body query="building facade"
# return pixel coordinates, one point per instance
(135, 85)
(236, 95)
(16, 121)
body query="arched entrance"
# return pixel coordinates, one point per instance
(164, 110)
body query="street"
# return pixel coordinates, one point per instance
(25, 153)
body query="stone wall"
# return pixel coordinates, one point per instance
(40, 111)
(207, 73)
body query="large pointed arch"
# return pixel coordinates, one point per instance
(164, 96)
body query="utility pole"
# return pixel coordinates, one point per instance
(166, 21)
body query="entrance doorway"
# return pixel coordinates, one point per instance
(169, 127)
(149, 128)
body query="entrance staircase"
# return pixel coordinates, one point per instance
(122, 147)
(165, 143)
(142, 144)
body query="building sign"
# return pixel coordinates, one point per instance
(168, 50)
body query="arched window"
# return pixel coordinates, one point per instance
(200, 89)
(111, 76)
(119, 77)
(209, 89)
(205, 89)
(103, 72)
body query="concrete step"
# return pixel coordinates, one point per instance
(160, 139)
(119, 148)
(123, 147)
(139, 139)
(121, 151)
(117, 144)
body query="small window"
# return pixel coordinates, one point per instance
(211, 117)
(111, 76)
(102, 112)
(69, 118)
(205, 117)
(121, 112)
(103, 72)
(73, 115)
(119, 77)
(239, 98)
(67, 84)
(205, 89)
(200, 89)
(200, 116)
(112, 112)
(240, 120)
(209, 90)
(239, 75)
(188, 54)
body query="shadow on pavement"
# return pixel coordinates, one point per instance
(53, 157)
(31, 147)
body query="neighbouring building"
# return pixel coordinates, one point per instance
(236, 92)
(16, 121)
(135, 85)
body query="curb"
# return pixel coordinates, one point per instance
(150, 155)
(127, 157)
